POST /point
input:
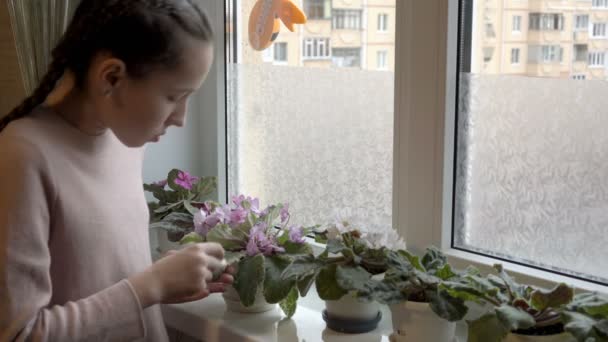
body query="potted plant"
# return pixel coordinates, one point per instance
(524, 313)
(420, 309)
(352, 263)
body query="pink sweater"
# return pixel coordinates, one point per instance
(73, 227)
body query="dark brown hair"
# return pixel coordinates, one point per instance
(144, 34)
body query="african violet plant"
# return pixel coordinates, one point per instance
(411, 278)
(178, 198)
(351, 258)
(258, 242)
(526, 310)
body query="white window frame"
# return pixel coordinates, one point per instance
(602, 28)
(425, 102)
(578, 21)
(599, 4)
(316, 45)
(517, 19)
(579, 77)
(382, 22)
(598, 58)
(515, 56)
(274, 52)
(382, 55)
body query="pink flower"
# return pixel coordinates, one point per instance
(185, 180)
(253, 203)
(204, 222)
(296, 234)
(260, 243)
(285, 213)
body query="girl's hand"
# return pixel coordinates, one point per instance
(182, 276)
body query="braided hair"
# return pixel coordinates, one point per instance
(142, 33)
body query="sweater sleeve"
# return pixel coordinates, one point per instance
(26, 314)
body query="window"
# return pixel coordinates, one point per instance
(597, 59)
(515, 56)
(382, 22)
(599, 30)
(346, 57)
(294, 133)
(316, 48)
(600, 4)
(490, 33)
(346, 19)
(580, 52)
(529, 169)
(382, 60)
(581, 22)
(280, 52)
(317, 9)
(517, 23)
(546, 21)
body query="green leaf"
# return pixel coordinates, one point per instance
(560, 295)
(204, 187)
(327, 285)
(433, 259)
(462, 291)
(175, 222)
(445, 272)
(230, 239)
(305, 283)
(191, 238)
(445, 306)
(601, 328)
(190, 208)
(296, 248)
(171, 181)
(335, 246)
(487, 329)
(275, 287)
(400, 263)
(290, 303)
(249, 278)
(168, 207)
(413, 259)
(233, 257)
(591, 303)
(352, 278)
(157, 191)
(579, 325)
(514, 318)
(302, 268)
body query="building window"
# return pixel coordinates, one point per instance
(515, 56)
(317, 9)
(346, 19)
(581, 22)
(599, 30)
(316, 48)
(382, 60)
(517, 23)
(545, 54)
(546, 22)
(490, 33)
(346, 57)
(600, 4)
(383, 22)
(580, 52)
(579, 77)
(280, 52)
(597, 59)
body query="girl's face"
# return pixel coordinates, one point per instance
(139, 111)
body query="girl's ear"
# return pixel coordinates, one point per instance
(110, 73)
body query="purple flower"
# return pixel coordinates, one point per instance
(285, 213)
(185, 180)
(237, 216)
(254, 203)
(260, 243)
(203, 222)
(296, 234)
(161, 183)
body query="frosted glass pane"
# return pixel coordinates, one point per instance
(320, 139)
(532, 171)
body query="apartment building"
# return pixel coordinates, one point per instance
(542, 38)
(339, 33)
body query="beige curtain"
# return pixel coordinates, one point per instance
(37, 26)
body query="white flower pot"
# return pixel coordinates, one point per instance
(349, 315)
(414, 321)
(233, 302)
(563, 337)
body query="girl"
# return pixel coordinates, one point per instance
(74, 252)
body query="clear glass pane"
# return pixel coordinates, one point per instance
(312, 123)
(532, 141)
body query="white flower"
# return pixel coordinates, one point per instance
(384, 237)
(199, 219)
